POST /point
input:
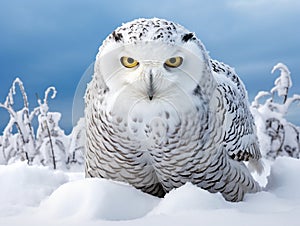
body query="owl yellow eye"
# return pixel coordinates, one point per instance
(173, 62)
(129, 62)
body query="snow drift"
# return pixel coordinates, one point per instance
(41, 196)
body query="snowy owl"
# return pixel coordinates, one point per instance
(160, 113)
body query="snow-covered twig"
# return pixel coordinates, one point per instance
(51, 144)
(260, 94)
(283, 108)
(48, 90)
(283, 82)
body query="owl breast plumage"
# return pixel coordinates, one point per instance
(160, 113)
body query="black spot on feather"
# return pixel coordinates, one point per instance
(187, 37)
(198, 91)
(117, 36)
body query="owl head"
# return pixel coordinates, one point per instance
(152, 60)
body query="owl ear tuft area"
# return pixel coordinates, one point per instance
(187, 37)
(117, 36)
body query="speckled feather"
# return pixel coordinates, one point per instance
(199, 132)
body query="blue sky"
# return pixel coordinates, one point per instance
(53, 42)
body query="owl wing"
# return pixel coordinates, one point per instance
(240, 132)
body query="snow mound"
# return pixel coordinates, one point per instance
(189, 197)
(40, 196)
(22, 186)
(97, 198)
(284, 179)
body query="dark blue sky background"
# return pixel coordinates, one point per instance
(53, 42)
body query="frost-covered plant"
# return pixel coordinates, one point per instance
(51, 139)
(77, 143)
(49, 145)
(43, 126)
(283, 82)
(22, 145)
(277, 134)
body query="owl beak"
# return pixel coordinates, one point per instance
(150, 91)
(150, 97)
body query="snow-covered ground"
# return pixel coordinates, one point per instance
(35, 195)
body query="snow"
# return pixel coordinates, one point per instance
(26, 186)
(39, 195)
(97, 198)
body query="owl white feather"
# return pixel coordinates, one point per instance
(161, 113)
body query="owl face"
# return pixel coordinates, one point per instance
(153, 62)
(152, 70)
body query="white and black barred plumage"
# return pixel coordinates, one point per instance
(156, 123)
